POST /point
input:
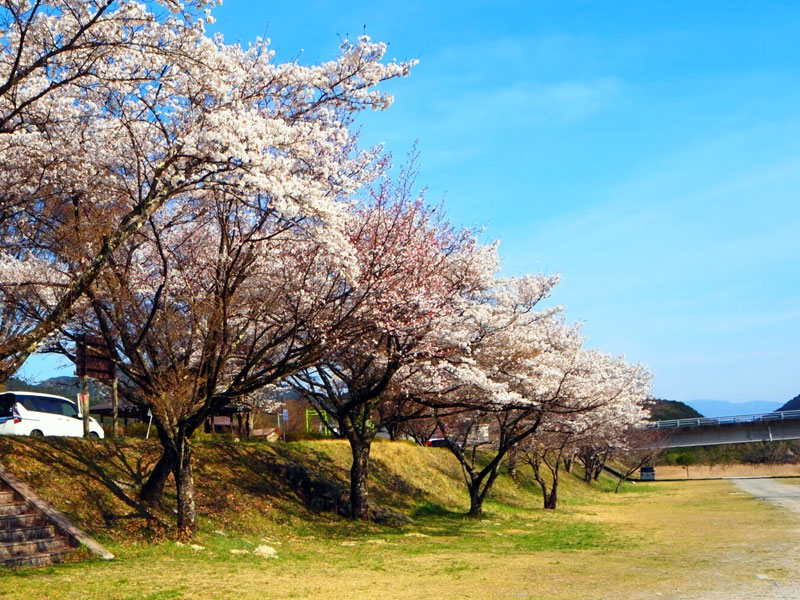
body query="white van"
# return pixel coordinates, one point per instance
(29, 413)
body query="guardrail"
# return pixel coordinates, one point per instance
(785, 415)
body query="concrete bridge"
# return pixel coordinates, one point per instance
(709, 431)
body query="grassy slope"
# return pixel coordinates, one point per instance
(96, 483)
(598, 544)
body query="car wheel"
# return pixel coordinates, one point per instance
(94, 435)
(36, 433)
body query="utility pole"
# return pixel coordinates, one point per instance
(114, 405)
(85, 404)
(93, 360)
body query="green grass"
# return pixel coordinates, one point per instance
(597, 544)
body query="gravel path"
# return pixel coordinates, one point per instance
(772, 490)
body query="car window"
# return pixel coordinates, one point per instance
(6, 405)
(68, 408)
(41, 404)
(44, 405)
(29, 402)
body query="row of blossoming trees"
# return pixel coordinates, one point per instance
(208, 213)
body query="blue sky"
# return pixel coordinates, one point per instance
(649, 152)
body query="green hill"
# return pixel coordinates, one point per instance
(793, 404)
(664, 410)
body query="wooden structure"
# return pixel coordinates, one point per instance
(234, 419)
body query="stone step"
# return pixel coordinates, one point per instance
(13, 508)
(31, 547)
(22, 534)
(24, 520)
(42, 559)
(28, 526)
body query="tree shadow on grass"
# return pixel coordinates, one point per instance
(103, 469)
(302, 481)
(432, 509)
(392, 488)
(303, 478)
(234, 482)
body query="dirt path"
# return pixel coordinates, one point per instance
(771, 490)
(777, 579)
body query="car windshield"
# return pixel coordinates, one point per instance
(68, 408)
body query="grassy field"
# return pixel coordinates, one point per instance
(670, 540)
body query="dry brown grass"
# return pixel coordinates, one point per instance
(706, 471)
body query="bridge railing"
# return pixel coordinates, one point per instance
(700, 421)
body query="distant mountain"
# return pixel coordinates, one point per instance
(61, 386)
(722, 408)
(793, 404)
(666, 410)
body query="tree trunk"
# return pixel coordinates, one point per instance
(248, 425)
(153, 489)
(513, 460)
(359, 488)
(588, 470)
(475, 501)
(480, 486)
(114, 405)
(184, 482)
(551, 499)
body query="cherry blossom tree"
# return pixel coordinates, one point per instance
(205, 307)
(621, 390)
(67, 68)
(610, 399)
(180, 203)
(422, 429)
(113, 110)
(519, 367)
(413, 269)
(512, 360)
(546, 450)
